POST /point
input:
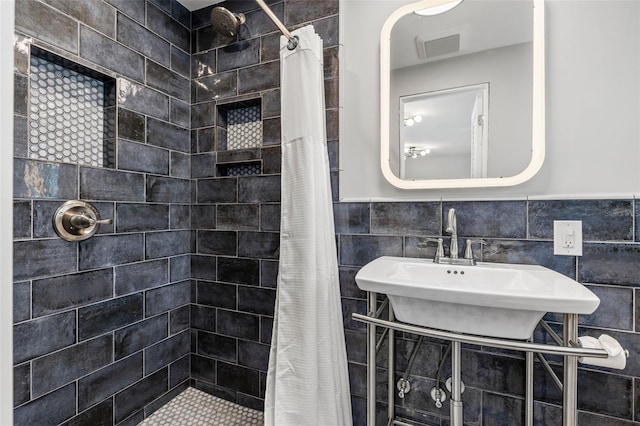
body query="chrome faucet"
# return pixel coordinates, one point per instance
(453, 259)
(452, 228)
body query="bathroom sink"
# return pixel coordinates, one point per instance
(487, 299)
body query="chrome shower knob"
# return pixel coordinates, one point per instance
(77, 220)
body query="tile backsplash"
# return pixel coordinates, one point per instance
(180, 290)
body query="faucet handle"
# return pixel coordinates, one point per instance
(468, 251)
(439, 250)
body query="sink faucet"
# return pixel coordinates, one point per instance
(452, 228)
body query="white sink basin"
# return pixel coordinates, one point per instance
(488, 299)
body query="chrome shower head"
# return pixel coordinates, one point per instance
(226, 22)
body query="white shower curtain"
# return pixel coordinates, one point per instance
(307, 381)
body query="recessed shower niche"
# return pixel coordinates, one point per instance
(72, 112)
(239, 129)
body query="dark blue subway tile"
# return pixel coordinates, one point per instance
(202, 115)
(141, 276)
(260, 23)
(203, 318)
(217, 242)
(140, 394)
(352, 218)
(43, 335)
(179, 371)
(501, 410)
(21, 301)
(259, 189)
(256, 300)
(271, 160)
(168, 243)
(22, 384)
(602, 220)
(102, 184)
(110, 250)
(167, 81)
(143, 100)
(222, 190)
(270, 217)
(203, 368)
(180, 62)
(41, 258)
(497, 219)
(259, 77)
(239, 55)
(165, 352)
(180, 216)
(266, 329)
(180, 165)
(140, 335)
(20, 94)
(525, 252)
(609, 264)
(168, 190)
(203, 64)
(217, 346)
(134, 217)
(405, 218)
(268, 273)
(299, 11)
(135, 10)
(109, 380)
(203, 165)
(180, 113)
(216, 294)
(34, 18)
(163, 25)
(348, 286)
(107, 53)
(20, 143)
(357, 250)
(98, 415)
(203, 267)
(51, 409)
(253, 355)
(180, 268)
(166, 298)
(237, 324)
(131, 125)
(179, 319)
(271, 132)
(327, 29)
(350, 306)
(44, 210)
(39, 179)
(93, 13)
(203, 217)
(615, 310)
(238, 216)
(130, 33)
(21, 219)
(109, 315)
(69, 291)
(59, 368)
(238, 378)
(263, 245)
(239, 270)
(142, 158)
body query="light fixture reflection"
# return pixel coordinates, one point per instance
(413, 152)
(436, 10)
(412, 120)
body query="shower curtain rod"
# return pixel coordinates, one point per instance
(293, 40)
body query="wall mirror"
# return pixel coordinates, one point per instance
(462, 93)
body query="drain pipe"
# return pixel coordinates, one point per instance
(456, 386)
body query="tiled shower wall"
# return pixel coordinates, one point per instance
(102, 326)
(119, 346)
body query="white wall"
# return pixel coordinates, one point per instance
(592, 112)
(6, 213)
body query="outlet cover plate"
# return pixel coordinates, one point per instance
(567, 237)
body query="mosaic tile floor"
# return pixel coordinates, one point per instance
(196, 408)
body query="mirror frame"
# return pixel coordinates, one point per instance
(538, 112)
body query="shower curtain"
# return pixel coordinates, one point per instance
(307, 380)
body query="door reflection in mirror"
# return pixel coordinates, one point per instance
(444, 134)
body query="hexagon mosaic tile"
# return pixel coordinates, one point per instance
(196, 408)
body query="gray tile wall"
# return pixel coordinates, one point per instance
(183, 284)
(102, 326)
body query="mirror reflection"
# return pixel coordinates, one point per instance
(461, 91)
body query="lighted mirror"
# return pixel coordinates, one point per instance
(462, 93)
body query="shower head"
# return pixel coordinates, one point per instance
(226, 22)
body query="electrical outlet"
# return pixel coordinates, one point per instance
(567, 237)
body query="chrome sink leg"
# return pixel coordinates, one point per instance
(456, 386)
(391, 381)
(371, 362)
(570, 391)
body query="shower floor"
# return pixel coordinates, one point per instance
(196, 408)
